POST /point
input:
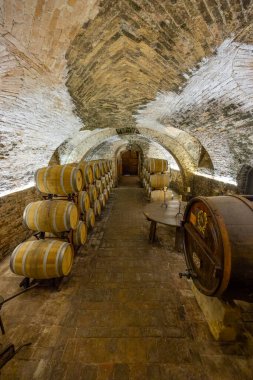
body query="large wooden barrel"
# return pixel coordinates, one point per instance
(51, 216)
(90, 218)
(159, 181)
(59, 179)
(157, 165)
(80, 234)
(83, 201)
(87, 172)
(218, 245)
(92, 193)
(97, 207)
(101, 199)
(40, 259)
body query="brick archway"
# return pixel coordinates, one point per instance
(245, 179)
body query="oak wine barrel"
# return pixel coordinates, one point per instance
(80, 234)
(159, 181)
(92, 193)
(50, 216)
(157, 165)
(59, 179)
(96, 170)
(218, 245)
(41, 259)
(90, 218)
(101, 166)
(87, 172)
(83, 201)
(101, 199)
(106, 195)
(99, 186)
(97, 207)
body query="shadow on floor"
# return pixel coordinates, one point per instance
(129, 181)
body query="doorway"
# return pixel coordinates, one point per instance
(130, 162)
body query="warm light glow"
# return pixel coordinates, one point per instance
(17, 189)
(229, 180)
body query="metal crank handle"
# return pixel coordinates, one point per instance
(188, 274)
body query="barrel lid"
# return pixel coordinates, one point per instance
(204, 246)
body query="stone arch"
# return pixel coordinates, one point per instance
(243, 178)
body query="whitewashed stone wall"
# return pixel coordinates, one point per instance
(215, 106)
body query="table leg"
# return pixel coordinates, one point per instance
(179, 239)
(152, 231)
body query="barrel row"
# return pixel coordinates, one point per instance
(72, 178)
(63, 219)
(155, 165)
(154, 175)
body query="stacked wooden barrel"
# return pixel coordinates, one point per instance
(74, 195)
(155, 175)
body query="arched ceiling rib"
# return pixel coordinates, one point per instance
(149, 148)
(123, 54)
(178, 145)
(133, 49)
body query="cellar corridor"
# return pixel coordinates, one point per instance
(123, 313)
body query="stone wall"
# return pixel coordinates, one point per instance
(209, 187)
(176, 182)
(12, 231)
(200, 185)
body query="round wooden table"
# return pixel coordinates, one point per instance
(172, 215)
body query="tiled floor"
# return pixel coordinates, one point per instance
(124, 314)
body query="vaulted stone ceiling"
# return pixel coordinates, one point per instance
(133, 49)
(181, 72)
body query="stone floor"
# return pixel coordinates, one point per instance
(123, 313)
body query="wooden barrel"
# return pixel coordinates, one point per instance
(101, 199)
(59, 179)
(87, 172)
(108, 189)
(50, 216)
(99, 186)
(104, 184)
(97, 207)
(80, 234)
(159, 181)
(40, 259)
(218, 245)
(92, 193)
(96, 170)
(107, 179)
(83, 201)
(101, 167)
(111, 183)
(157, 165)
(90, 218)
(106, 195)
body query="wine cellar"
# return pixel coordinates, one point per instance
(126, 191)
